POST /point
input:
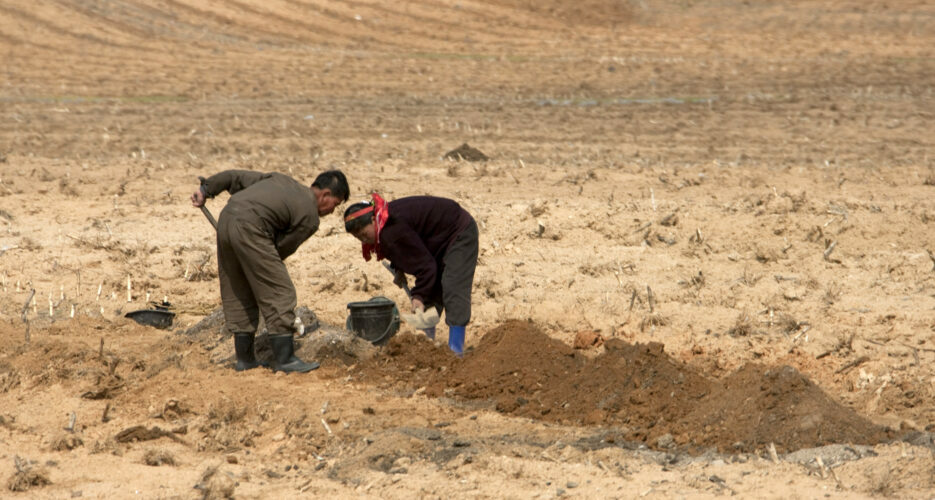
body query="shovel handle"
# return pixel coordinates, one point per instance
(405, 287)
(210, 217)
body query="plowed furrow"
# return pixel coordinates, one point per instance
(429, 25)
(63, 34)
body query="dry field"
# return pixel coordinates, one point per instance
(734, 195)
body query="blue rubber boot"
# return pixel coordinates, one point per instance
(430, 333)
(456, 340)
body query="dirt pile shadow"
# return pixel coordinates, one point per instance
(653, 398)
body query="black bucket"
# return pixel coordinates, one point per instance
(375, 320)
(158, 317)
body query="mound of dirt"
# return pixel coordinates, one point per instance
(409, 360)
(211, 327)
(320, 341)
(757, 405)
(467, 153)
(332, 345)
(653, 398)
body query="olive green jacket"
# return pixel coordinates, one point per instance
(287, 210)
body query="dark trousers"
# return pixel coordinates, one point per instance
(458, 276)
(253, 278)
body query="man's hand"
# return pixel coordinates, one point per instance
(198, 198)
(417, 305)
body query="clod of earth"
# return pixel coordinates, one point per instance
(66, 442)
(157, 458)
(141, 433)
(467, 153)
(588, 340)
(216, 484)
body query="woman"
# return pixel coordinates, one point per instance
(431, 238)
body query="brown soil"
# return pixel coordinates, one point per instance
(636, 388)
(735, 196)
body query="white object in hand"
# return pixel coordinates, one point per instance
(422, 319)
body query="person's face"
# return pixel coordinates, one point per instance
(327, 202)
(366, 234)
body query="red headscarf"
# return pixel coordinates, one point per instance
(381, 212)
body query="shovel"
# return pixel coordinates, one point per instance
(420, 320)
(210, 217)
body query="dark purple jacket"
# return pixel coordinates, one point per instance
(416, 236)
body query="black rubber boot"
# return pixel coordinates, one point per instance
(246, 358)
(284, 359)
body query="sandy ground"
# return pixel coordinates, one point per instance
(734, 196)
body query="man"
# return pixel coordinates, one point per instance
(266, 219)
(433, 239)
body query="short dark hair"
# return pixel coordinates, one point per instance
(355, 224)
(334, 181)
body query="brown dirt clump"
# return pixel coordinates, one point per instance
(587, 340)
(216, 484)
(466, 152)
(66, 442)
(652, 397)
(157, 458)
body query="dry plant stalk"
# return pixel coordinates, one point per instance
(749, 278)
(25, 310)
(695, 281)
(743, 326)
(844, 343)
(828, 251)
(788, 324)
(851, 364)
(832, 293)
(696, 238)
(772, 453)
(202, 271)
(652, 321)
(26, 477)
